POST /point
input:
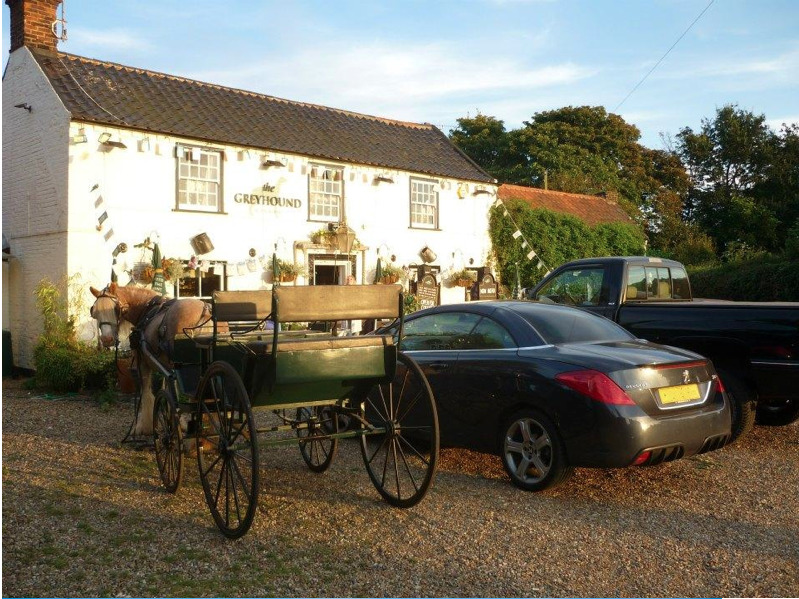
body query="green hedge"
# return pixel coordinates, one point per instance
(556, 238)
(768, 280)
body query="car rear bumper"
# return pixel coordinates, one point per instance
(622, 434)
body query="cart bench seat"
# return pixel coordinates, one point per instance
(316, 343)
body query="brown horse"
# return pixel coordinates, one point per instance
(116, 304)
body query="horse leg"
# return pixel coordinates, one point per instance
(144, 422)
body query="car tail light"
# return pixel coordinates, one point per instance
(595, 385)
(643, 458)
(720, 385)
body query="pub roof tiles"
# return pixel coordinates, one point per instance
(592, 210)
(116, 95)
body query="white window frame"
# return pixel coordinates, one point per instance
(325, 193)
(423, 204)
(199, 180)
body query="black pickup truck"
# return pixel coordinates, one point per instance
(754, 345)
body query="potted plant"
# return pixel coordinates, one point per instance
(321, 236)
(463, 278)
(289, 271)
(391, 274)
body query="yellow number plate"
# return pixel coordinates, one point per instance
(679, 394)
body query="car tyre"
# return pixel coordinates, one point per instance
(742, 404)
(778, 413)
(532, 452)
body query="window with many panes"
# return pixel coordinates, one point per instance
(199, 179)
(201, 280)
(325, 193)
(424, 204)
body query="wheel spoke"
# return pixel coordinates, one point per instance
(541, 442)
(539, 464)
(524, 427)
(396, 466)
(407, 466)
(513, 446)
(521, 468)
(419, 455)
(379, 447)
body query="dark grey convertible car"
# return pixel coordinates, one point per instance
(550, 387)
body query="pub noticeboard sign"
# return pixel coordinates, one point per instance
(427, 291)
(487, 289)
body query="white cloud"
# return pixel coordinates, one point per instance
(115, 39)
(776, 124)
(392, 81)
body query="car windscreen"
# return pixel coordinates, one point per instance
(568, 325)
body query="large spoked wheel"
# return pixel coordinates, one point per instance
(227, 451)
(316, 447)
(168, 441)
(400, 443)
(532, 452)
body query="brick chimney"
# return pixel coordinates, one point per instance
(32, 24)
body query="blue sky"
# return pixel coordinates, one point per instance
(435, 61)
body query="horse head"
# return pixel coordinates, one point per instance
(107, 311)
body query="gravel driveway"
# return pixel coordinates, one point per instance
(85, 516)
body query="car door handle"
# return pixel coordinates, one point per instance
(439, 365)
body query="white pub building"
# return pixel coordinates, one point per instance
(102, 161)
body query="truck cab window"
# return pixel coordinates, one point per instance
(636, 283)
(681, 288)
(575, 287)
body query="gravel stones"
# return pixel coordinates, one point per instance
(84, 515)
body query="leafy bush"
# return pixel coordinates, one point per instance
(556, 238)
(62, 362)
(764, 280)
(792, 242)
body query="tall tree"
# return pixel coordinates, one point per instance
(727, 160)
(581, 149)
(484, 139)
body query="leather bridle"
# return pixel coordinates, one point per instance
(117, 314)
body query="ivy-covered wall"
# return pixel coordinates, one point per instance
(556, 238)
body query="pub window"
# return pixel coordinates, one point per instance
(326, 192)
(199, 179)
(201, 282)
(424, 204)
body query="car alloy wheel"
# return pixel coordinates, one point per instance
(532, 452)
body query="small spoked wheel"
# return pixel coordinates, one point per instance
(227, 450)
(317, 448)
(532, 452)
(168, 441)
(400, 442)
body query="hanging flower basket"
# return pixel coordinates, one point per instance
(287, 278)
(143, 272)
(463, 278)
(389, 279)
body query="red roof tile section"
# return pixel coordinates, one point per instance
(111, 94)
(592, 210)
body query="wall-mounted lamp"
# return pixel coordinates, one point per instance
(24, 106)
(120, 249)
(144, 144)
(105, 139)
(270, 162)
(79, 137)
(382, 178)
(244, 155)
